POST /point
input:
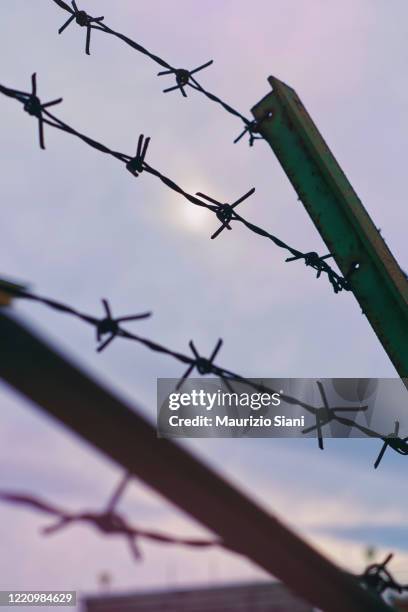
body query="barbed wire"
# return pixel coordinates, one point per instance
(378, 578)
(108, 521)
(110, 326)
(326, 414)
(225, 212)
(392, 440)
(184, 77)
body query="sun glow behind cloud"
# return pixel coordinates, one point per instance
(194, 218)
(186, 216)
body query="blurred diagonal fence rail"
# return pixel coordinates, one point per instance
(73, 398)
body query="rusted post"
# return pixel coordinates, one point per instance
(376, 279)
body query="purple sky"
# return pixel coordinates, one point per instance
(79, 227)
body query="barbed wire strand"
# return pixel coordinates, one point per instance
(225, 212)
(378, 578)
(107, 521)
(184, 77)
(108, 325)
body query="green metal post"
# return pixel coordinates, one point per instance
(376, 279)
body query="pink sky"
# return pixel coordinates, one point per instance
(79, 228)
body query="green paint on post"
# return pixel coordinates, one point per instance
(378, 283)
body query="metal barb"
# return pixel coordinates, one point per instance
(252, 129)
(379, 579)
(34, 107)
(135, 164)
(399, 445)
(111, 326)
(182, 77)
(107, 522)
(202, 364)
(118, 492)
(325, 414)
(84, 20)
(318, 262)
(225, 212)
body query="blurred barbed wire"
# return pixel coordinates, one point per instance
(378, 578)
(108, 521)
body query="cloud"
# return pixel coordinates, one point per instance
(79, 227)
